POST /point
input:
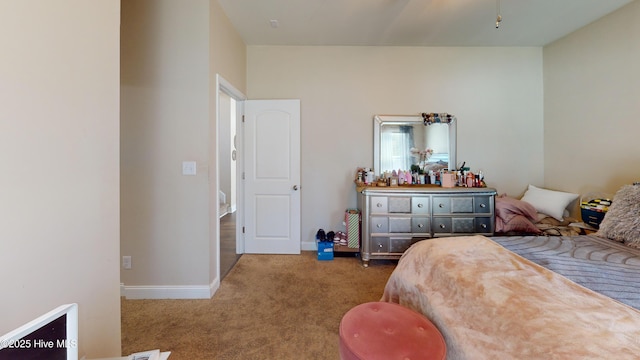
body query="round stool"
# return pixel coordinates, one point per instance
(387, 331)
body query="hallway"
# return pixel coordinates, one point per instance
(228, 256)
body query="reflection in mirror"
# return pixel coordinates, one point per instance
(401, 142)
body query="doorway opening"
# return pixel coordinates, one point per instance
(229, 105)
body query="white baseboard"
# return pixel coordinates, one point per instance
(170, 291)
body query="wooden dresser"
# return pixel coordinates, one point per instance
(393, 218)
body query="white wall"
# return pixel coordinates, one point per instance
(59, 202)
(171, 53)
(592, 87)
(496, 94)
(165, 121)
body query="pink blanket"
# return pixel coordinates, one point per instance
(490, 303)
(513, 215)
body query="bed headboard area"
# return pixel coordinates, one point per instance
(539, 211)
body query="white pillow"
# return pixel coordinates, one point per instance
(552, 203)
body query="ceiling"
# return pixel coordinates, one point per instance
(412, 22)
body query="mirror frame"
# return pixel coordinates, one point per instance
(379, 120)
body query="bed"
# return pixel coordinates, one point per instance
(531, 296)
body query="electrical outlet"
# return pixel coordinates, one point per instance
(126, 262)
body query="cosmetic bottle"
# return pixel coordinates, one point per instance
(470, 179)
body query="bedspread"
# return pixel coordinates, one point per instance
(490, 303)
(602, 265)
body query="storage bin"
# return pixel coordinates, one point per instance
(325, 250)
(593, 210)
(352, 220)
(591, 217)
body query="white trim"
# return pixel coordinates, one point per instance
(226, 87)
(222, 85)
(170, 291)
(214, 286)
(239, 211)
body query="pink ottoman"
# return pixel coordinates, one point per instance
(387, 331)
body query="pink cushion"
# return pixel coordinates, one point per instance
(381, 330)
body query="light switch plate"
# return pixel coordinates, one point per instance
(189, 168)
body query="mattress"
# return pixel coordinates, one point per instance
(601, 265)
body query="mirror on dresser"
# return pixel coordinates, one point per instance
(396, 135)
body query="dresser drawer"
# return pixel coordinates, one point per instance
(463, 205)
(452, 205)
(379, 224)
(441, 205)
(463, 225)
(399, 224)
(483, 204)
(379, 244)
(420, 205)
(379, 205)
(420, 225)
(400, 245)
(399, 204)
(441, 225)
(484, 225)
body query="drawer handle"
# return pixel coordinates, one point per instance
(420, 226)
(379, 204)
(380, 246)
(484, 226)
(483, 205)
(420, 205)
(440, 205)
(442, 226)
(378, 226)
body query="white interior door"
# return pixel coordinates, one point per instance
(272, 176)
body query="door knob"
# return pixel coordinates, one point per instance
(295, 187)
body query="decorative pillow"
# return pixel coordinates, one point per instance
(552, 203)
(622, 221)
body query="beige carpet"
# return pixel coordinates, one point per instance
(267, 307)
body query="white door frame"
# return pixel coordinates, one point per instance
(224, 86)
